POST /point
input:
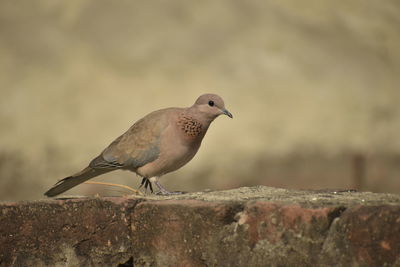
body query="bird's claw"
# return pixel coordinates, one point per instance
(163, 192)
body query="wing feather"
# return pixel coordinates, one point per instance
(139, 145)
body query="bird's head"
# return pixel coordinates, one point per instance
(211, 106)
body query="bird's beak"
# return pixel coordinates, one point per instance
(227, 113)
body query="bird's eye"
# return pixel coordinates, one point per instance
(211, 103)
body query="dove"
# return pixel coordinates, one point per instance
(159, 143)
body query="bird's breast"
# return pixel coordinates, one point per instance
(189, 126)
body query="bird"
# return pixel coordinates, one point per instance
(159, 143)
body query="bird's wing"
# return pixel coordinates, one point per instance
(137, 146)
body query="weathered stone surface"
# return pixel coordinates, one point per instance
(198, 233)
(256, 226)
(65, 232)
(365, 236)
(171, 232)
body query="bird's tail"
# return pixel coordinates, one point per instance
(71, 181)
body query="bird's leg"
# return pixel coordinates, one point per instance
(147, 184)
(162, 189)
(142, 183)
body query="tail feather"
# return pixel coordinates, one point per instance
(71, 181)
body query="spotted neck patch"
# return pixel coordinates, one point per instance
(189, 126)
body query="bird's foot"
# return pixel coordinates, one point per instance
(165, 192)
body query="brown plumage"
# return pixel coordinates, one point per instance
(159, 143)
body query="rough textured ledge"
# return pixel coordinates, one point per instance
(258, 226)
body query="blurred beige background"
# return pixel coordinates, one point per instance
(313, 86)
